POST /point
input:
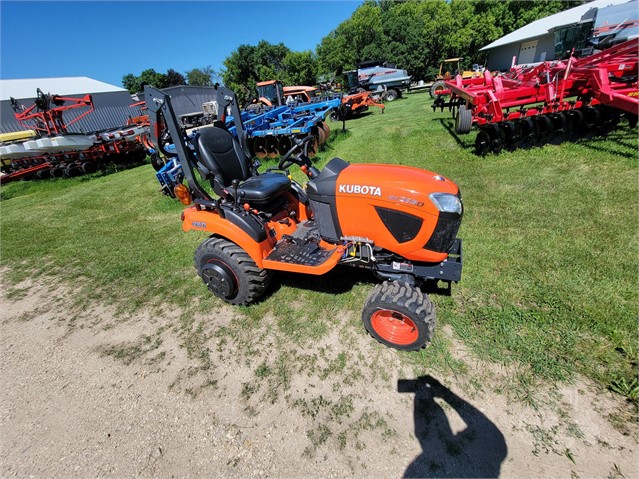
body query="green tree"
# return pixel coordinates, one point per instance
(131, 83)
(239, 74)
(173, 78)
(204, 76)
(152, 78)
(358, 38)
(299, 68)
(418, 35)
(250, 64)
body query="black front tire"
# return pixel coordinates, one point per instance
(229, 272)
(400, 316)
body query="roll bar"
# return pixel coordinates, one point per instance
(161, 112)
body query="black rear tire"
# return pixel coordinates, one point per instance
(400, 316)
(229, 272)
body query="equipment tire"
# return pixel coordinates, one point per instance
(399, 315)
(229, 272)
(464, 120)
(439, 85)
(391, 95)
(89, 167)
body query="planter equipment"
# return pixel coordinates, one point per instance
(47, 149)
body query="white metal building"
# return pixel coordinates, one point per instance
(541, 40)
(111, 103)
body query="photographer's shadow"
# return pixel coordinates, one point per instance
(476, 451)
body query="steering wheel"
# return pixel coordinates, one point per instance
(289, 159)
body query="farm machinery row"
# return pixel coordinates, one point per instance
(548, 103)
(281, 112)
(47, 149)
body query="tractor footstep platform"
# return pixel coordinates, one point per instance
(306, 230)
(299, 252)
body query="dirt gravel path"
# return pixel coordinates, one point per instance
(102, 395)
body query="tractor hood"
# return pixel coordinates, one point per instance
(394, 184)
(412, 212)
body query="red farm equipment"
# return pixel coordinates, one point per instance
(355, 104)
(46, 148)
(550, 102)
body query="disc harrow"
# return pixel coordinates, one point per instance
(553, 128)
(551, 102)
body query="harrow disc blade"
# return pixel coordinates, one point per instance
(592, 118)
(285, 144)
(559, 127)
(327, 130)
(313, 146)
(543, 127)
(259, 145)
(72, 171)
(482, 142)
(576, 119)
(512, 134)
(321, 137)
(527, 129)
(271, 145)
(497, 138)
(610, 117)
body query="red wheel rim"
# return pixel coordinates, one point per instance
(394, 327)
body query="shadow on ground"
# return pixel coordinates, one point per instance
(476, 451)
(340, 280)
(467, 142)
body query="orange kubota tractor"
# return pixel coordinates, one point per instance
(399, 222)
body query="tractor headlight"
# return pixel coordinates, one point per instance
(446, 202)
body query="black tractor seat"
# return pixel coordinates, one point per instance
(220, 153)
(262, 188)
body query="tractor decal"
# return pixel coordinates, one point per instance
(361, 190)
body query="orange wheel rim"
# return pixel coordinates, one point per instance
(394, 327)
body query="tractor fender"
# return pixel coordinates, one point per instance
(232, 227)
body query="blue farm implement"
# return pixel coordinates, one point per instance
(269, 130)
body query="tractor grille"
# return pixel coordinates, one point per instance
(445, 232)
(403, 227)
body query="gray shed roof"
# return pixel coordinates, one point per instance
(26, 87)
(547, 24)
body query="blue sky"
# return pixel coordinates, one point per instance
(106, 40)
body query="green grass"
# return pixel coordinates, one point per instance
(550, 250)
